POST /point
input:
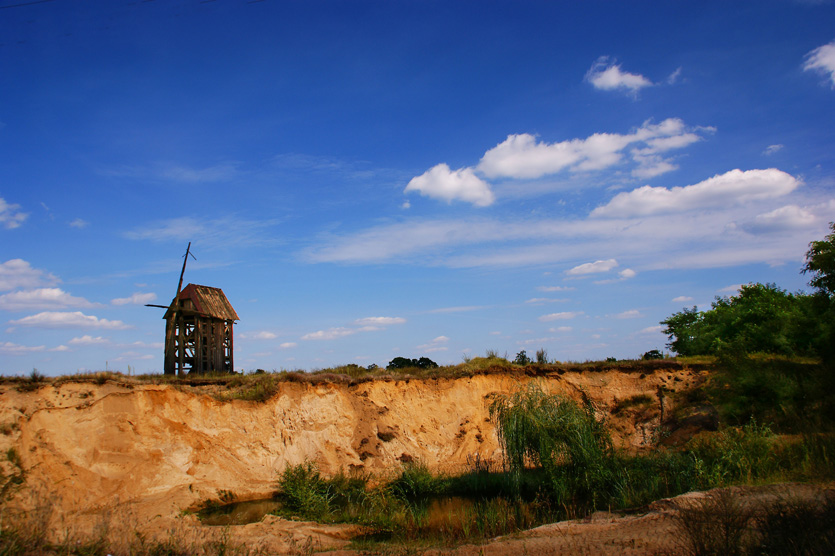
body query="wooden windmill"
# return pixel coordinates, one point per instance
(198, 329)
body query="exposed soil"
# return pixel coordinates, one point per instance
(136, 456)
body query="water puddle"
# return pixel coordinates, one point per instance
(239, 513)
(440, 515)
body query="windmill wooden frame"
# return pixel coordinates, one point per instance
(199, 335)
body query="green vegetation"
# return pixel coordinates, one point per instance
(763, 318)
(775, 350)
(559, 463)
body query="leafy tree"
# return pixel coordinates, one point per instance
(761, 318)
(682, 331)
(820, 262)
(404, 363)
(522, 358)
(652, 354)
(426, 363)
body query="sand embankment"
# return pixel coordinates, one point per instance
(151, 451)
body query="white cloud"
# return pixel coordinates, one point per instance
(146, 345)
(79, 223)
(439, 182)
(772, 149)
(10, 216)
(17, 273)
(555, 288)
(219, 232)
(822, 60)
(733, 288)
(682, 299)
(565, 315)
(77, 319)
(16, 349)
(674, 77)
(592, 268)
(789, 217)
(561, 329)
(521, 156)
(733, 187)
(288, 345)
(627, 273)
(437, 344)
(175, 172)
(460, 309)
(263, 335)
(379, 321)
(543, 300)
(185, 174)
(652, 329)
(607, 76)
(88, 340)
(43, 298)
(330, 334)
(631, 314)
(137, 298)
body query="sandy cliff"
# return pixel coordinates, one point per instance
(90, 448)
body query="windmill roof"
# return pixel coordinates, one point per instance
(207, 301)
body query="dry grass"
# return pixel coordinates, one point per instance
(261, 385)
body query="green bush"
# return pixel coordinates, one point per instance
(573, 448)
(303, 490)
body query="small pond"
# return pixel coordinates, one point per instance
(436, 516)
(239, 513)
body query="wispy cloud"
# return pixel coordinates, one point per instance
(565, 315)
(227, 231)
(9, 348)
(262, 335)
(822, 60)
(458, 309)
(436, 344)
(42, 298)
(175, 172)
(592, 268)
(77, 319)
(379, 321)
(88, 340)
(630, 314)
(331, 333)
(10, 215)
(544, 300)
(17, 273)
(138, 298)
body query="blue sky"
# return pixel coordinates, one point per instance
(368, 180)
